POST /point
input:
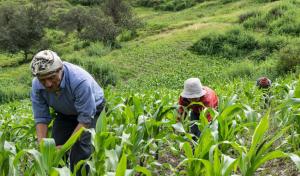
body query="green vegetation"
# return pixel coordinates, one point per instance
(168, 5)
(237, 43)
(142, 62)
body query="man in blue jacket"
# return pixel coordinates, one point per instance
(74, 95)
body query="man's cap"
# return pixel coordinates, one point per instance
(45, 62)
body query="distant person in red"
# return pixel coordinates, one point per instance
(194, 92)
(264, 84)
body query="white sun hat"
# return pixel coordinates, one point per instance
(193, 88)
(45, 62)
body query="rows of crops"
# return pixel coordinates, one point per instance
(139, 135)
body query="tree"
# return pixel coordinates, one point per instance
(21, 27)
(74, 19)
(100, 28)
(121, 13)
(86, 2)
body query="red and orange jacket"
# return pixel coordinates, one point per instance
(210, 99)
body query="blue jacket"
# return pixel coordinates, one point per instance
(79, 95)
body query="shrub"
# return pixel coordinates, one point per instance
(289, 58)
(287, 24)
(234, 43)
(168, 5)
(247, 15)
(265, 1)
(281, 19)
(97, 49)
(86, 2)
(103, 73)
(237, 43)
(81, 45)
(240, 70)
(126, 35)
(255, 22)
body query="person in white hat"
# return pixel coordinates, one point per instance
(75, 96)
(194, 92)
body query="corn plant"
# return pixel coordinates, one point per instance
(7, 154)
(48, 158)
(259, 151)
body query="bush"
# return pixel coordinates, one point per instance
(100, 28)
(86, 2)
(240, 70)
(126, 35)
(255, 22)
(81, 45)
(97, 49)
(234, 43)
(281, 19)
(288, 24)
(168, 5)
(237, 43)
(247, 15)
(289, 58)
(104, 74)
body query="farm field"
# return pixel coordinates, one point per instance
(228, 44)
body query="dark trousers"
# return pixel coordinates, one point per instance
(64, 126)
(194, 127)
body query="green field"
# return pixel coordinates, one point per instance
(139, 135)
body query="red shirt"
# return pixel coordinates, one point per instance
(210, 99)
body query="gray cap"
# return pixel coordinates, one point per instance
(45, 62)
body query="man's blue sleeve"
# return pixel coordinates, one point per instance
(40, 108)
(85, 102)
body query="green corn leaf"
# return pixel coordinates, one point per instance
(138, 107)
(297, 90)
(204, 144)
(143, 170)
(47, 149)
(101, 123)
(39, 168)
(78, 166)
(67, 146)
(60, 172)
(229, 111)
(259, 132)
(227, 165)
(267, 157)
(267, 145)
(121, 169)
(188, 151)
(216, 162)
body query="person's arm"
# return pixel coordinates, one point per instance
(180, 112)
(41, 131)
(40, 112)
(85, 104)
(79, 126)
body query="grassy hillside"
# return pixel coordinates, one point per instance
(228, 44)
(161, 56)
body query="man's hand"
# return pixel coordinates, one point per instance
(58, 147)
(41, 131)
(79, 126)
(178, 119)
